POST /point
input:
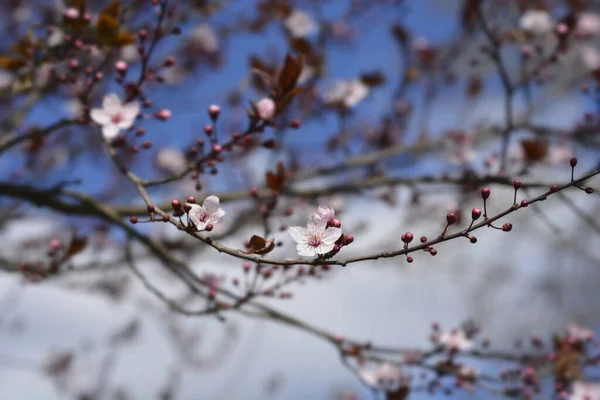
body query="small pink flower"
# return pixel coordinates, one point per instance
(386, 377)
(163, 114)
(209, 213)
(114, 116)
(456, 340)
(71, 13)
(585, 391)
(326, 213)
(316, 238)
(536, 22)
(588, 24)
(121, 66)
(266, 109)
(579, 333)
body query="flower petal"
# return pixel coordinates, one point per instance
(211, 204)
(305, 250)
(99, 116)
(131, 110)
(110, 131)
(331, 235)
(299, 234)
(111, 104)
(316, 224)
(217, 215)
(324, 248)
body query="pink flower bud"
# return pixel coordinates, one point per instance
(170, 61)
(163, 114)
(266, 108)
(485, 193)
(71, 13)
(451, 218)
(214, 111)
(121, 66)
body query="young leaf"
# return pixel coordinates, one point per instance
(258, 245)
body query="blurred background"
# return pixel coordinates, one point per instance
(412, 76)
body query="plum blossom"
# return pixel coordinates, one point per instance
(205, 37)
(114, 116)
(590, 57)
(537, 22)
(266, 108)
(588, 24)
(316, 238)
(460, 148)
(171, 160)
(456, 340)
(386, 377)
(300, 24)
(326, 213)
(209, 213)
(347, 93)
(579, 333)
(585, 391)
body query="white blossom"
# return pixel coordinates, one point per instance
(129, 53)
(209, 213)
(326, 213)
(460, 148)
(579, 333)
(74, 107)
(386, 377)
(171, 160)
(585, 391)
(266, 108)
(347, 93)
(56, 38)
(456, 340)
(590, 57)
(300, 24)
(537, 22)
(205, 37)
(316, 238)
(588, 24)
(114, 116)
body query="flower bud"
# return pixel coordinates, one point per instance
(451, 218)
(163, 114)
(214, 111)
(266, 109)
(573, 162)
(408, 237)
(485, 193)
(475, 214)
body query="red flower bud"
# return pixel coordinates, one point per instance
(451, 218)
(485, 193)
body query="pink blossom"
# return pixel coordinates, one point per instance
(316, 238)
(114, 116)
(266, 109)
(209, 213)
